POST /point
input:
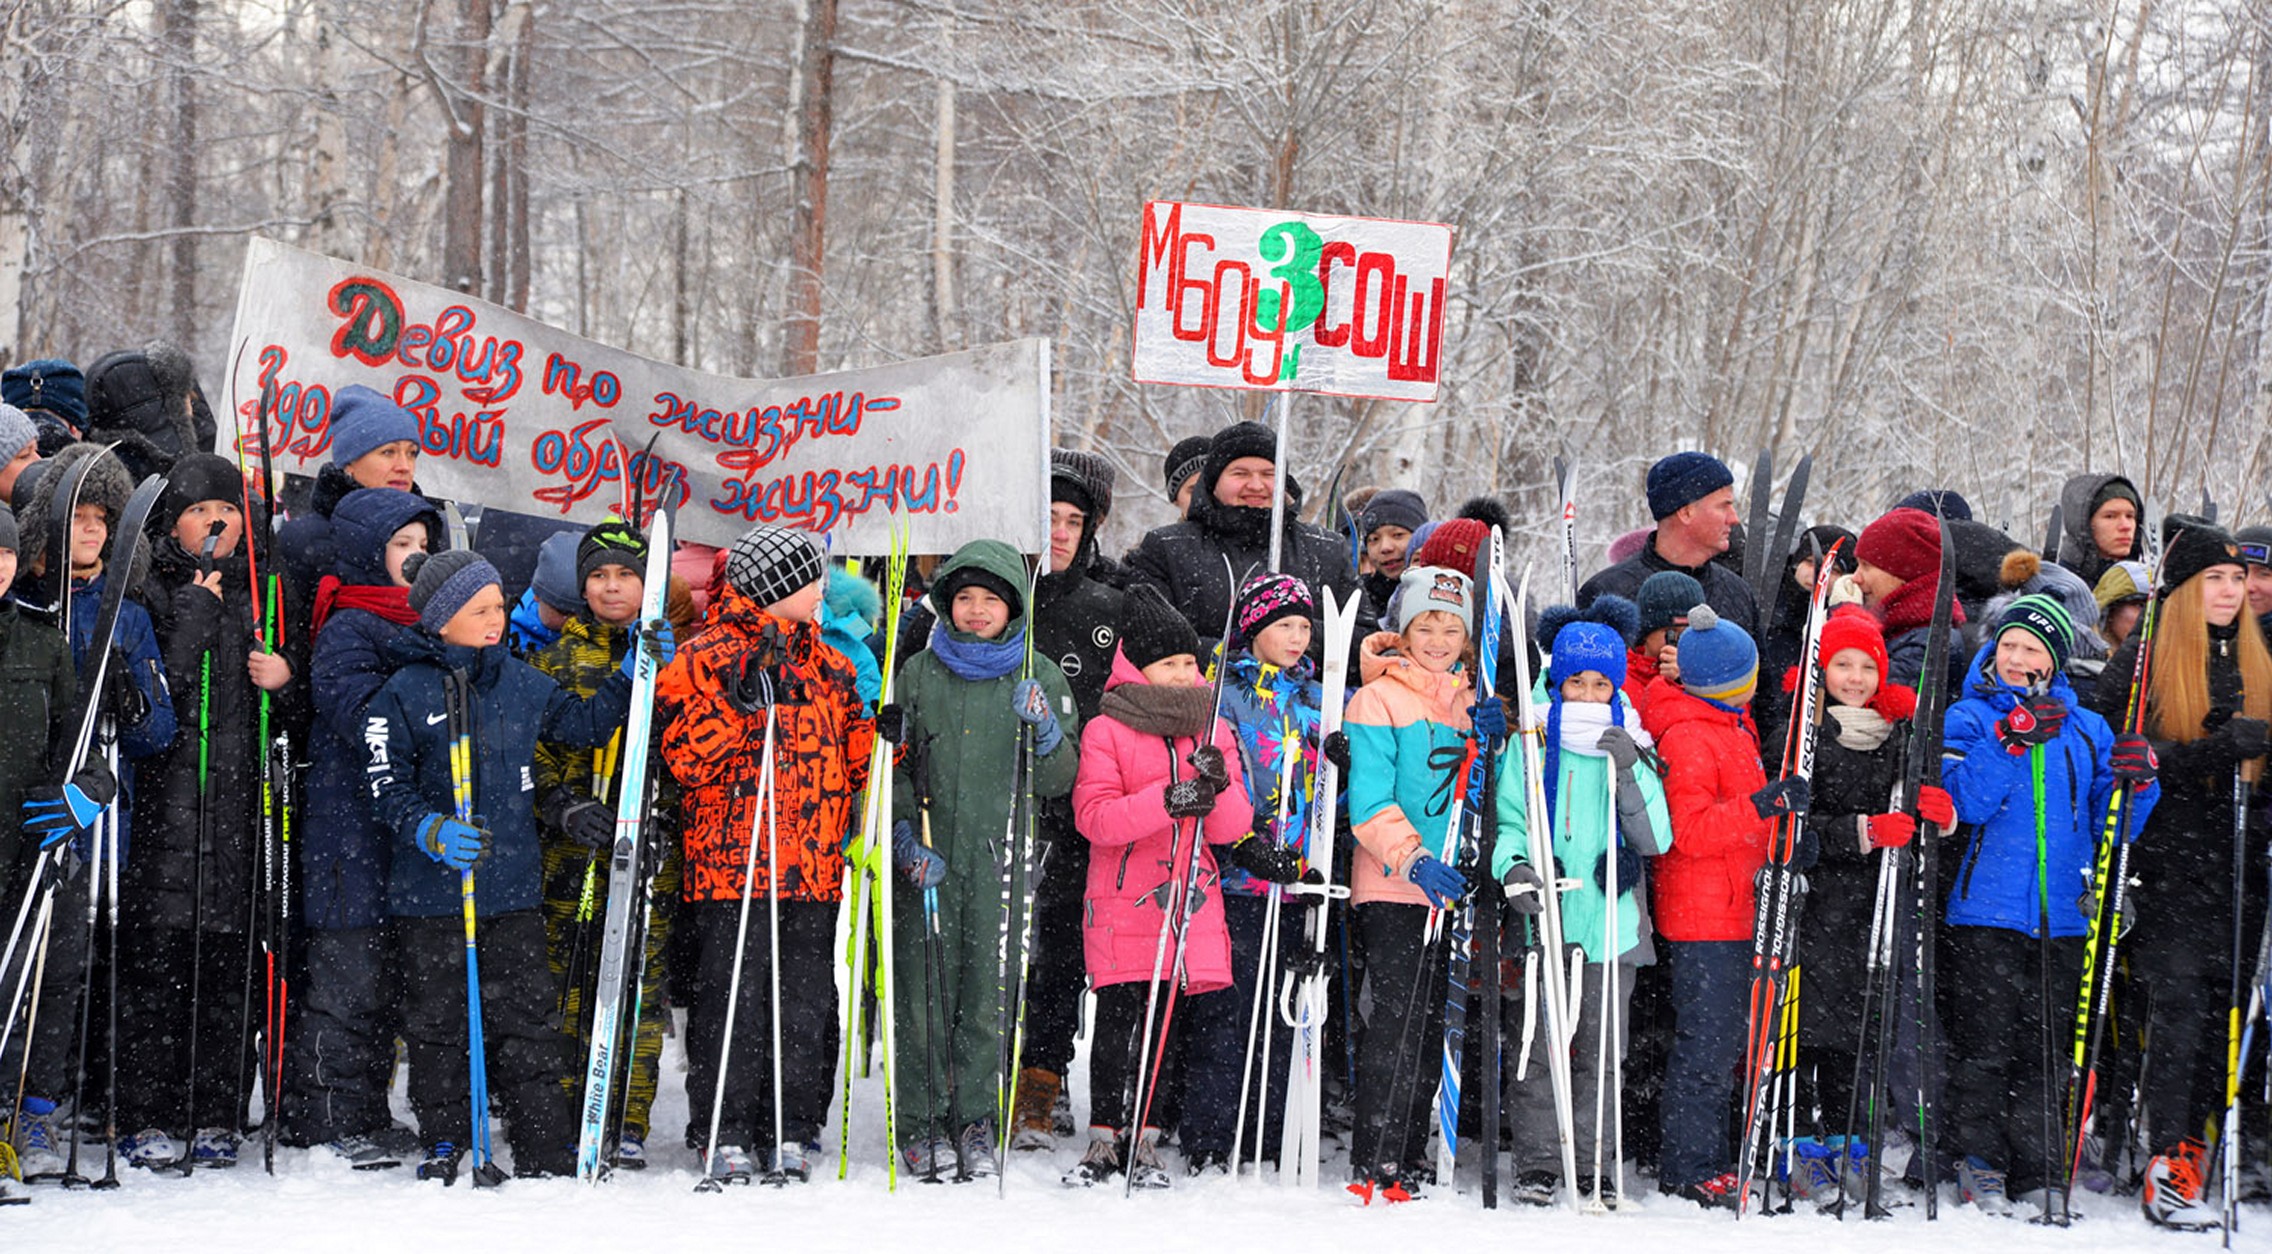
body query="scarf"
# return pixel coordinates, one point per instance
(1158, 710)
(979, 660)
(1576, 726)
(1860, 728)
(388, 602)
(1911, 606)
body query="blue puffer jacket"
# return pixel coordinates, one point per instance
(1997, 883)
(137, 644)
(344, 852)
(514, 705)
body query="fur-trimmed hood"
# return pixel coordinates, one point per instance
(107, 485)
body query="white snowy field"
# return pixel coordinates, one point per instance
(316, 1203)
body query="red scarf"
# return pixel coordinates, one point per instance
(1910, 606)
(389, 603)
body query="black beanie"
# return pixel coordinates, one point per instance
(1240, 439)
(199, 477)
(1150, 628)
(970, 574)
(1083, 481)
(2190, 545)
(611, 541)
(1184, 461)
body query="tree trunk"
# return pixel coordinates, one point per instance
(943, 312)
(177, 32)
(811, 105)
(462, 206)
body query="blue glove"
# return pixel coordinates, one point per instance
(1032, 704)
(922, 866)
(657, 640)
(1442, 884)
(1489, 718)
(454, 844)
(54, 815)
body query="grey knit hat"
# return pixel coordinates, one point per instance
(770, 564)
(16, 431)
(555, 582)
(442, 583)
(8, 529)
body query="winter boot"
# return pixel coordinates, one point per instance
(792, 1163)
(1144, 1168)
(364, 1153)
(977, 1148)
(1721, 1192)
(728, 1164)
(1061, 1113)
(150, 1149)
(38, 1157)
(928, 1158)
(1982, 1185)
(214, 1147)
(1035, 1125)
(1207, 1163)
(1814, 1169)
(2175, 1182)
(1099, 1163)
(1537, 1188)
(631, 1151)
(441, 1163)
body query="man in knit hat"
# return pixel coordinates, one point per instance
(1197, 563)
(1182, 470)
(1692, 497)
(54, 394)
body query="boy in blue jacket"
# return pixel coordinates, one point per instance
(2031, 772)
(458, 660)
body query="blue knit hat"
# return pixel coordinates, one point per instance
(555, 582)
(1586, 646)
(50, 383)
(362, 420)
(1718, 661)
(442, 583)
(1683, 479)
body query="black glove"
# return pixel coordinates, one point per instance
(2036, 720)
(1788, 795)
(1618, 745)
(1806, 847)
(588, 823)
(1265, 859)
(123, 699)
(891, 724)
(1336, 749)
(1191, 799)
(1628, 869)
(752, 688)
(1525, 890)
(1208, 761)
(2244, 736)
(2133, 760)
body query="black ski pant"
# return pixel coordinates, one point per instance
(1711, 989)
(807, 1031)
(339, 1035)
(48, 1027)
(2186, 967)
(2008, 1040)
(1058, 976)
(1399, 1057)
(1203, 1040)
(526, 1052)
(1266, 1084)
(158, 1010)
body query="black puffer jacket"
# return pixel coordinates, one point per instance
(1724, 590)
(1841, 889)
(38, 689)
(1186, 560)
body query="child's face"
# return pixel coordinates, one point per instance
(613, 592)
(195, 525)
(1434, 641)
(1591, 687)
(411, 539)
(480, 622)
(1283, 643)
(2021, 659)
(801, 605)
(1851, 677)
(90, 531)
(1176, 670)
(979, 612)
(1385, 548)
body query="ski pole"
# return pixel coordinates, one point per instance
(710, 1183)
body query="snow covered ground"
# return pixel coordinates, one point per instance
(315, 1203)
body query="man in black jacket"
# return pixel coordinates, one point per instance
(1692, 497)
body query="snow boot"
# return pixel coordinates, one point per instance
(1144, 1168)
(1035, 1125)
(976, 1146)
(928, 1158)
(729, 1164)
(38, 1156)
(631, 1151)
(1982, 1185)
(1099, 1163)
(2175, 1182)
(214, 1147)
(442, 1163)
(150, 1149)
(364, 1153)
(792, 1163)
(1537, 1188)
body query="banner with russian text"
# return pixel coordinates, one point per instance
(522, 416)
(1257, 298)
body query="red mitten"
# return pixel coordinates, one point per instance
(1935, 806)
(1890, 831)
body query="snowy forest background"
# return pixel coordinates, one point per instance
(1973, 243)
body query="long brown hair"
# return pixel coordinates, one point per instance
(2177, 695)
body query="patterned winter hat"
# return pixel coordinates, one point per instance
(1184, 461)
(2043, 618)
(442, 583)
(1424, 588)
(770, 564)
(1150, 628)
(610, 542)
(363, 420)
(1718, 661)
(1264, 599)
(1586, 645)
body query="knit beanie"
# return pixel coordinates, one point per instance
(1718, 661)
(2044, 618)
(1184, 461)
(1240, 439)
(1852, 627)
(1423, 588)
(1944, 501)
(8, 538)
(1454, 544)
(2116, 488)
(50, 383)
(770, 564)
(1150, 628)
(442, 583)
(555, 581)
(2255, 544)
(1395, 507)
(1905, 543)
(1264, 599)
(1665, 597)
(2123, 582)
(362, 420)
(610, 542)
(1683, 479)
(1083, 481)
(2191, 545)
(16, 431)
(1585, 645)
(199, 477)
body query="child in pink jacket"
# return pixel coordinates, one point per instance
(1159, 771)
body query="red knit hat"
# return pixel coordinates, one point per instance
(1454, 544)
(1905, 544)
(1853, 627)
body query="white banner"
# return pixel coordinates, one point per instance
(1255, 298)
(522, 416)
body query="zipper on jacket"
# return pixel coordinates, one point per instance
(1971, 862)
(1120, 881)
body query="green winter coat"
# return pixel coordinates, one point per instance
(38, 687)
(969, 732)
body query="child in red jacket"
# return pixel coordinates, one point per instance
(1722, 810)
